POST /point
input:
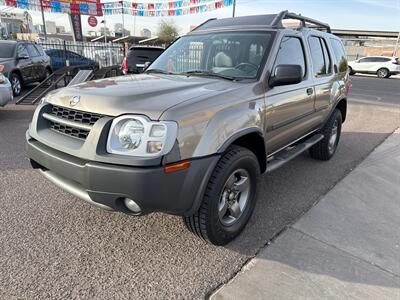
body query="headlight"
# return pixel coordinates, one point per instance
(138, 136)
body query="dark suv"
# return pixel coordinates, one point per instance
(24, 62)
(138, 56)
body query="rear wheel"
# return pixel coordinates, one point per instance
(16, 84)
(383, 73)
(229, 199)
(326, 148)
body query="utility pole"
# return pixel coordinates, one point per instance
(397, 45)
(234, 8)
(123, 19)
(44, 22)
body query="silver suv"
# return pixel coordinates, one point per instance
(231, 100)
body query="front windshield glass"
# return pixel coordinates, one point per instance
(6, 50)
(232, 55)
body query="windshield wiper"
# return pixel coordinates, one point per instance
(207, 73)
(158, 71)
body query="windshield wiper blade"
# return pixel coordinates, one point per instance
(157, 71)
(207, 73)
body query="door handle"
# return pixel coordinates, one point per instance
(310, 91)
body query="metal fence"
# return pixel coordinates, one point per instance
(104, 54)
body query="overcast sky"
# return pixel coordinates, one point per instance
(340, 14)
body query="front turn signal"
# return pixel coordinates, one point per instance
(175, 167)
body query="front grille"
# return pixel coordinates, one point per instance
(68, 130)
(74, 116)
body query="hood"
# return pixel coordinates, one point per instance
(146, 94)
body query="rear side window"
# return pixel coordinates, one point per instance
(340, 54)
(32, 50)
(291, 52)
(382, 59)
(320, 56)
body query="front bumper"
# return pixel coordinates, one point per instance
(107, 185)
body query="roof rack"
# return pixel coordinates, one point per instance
(277, 22)
(271, 20)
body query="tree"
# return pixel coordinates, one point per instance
(167, 31)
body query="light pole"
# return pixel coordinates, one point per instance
(123, 19)
(234, 8)
(44, 22)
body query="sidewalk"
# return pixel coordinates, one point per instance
(345, 247)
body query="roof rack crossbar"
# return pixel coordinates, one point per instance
(206, 21)
(288, 15)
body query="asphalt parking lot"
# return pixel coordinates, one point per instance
(54, 246)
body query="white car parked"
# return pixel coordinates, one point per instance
(5, 89)
(382, 66)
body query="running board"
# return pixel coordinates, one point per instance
(286, 155)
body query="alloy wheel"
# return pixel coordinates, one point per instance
(333, 138)
(16, 85)
(234, 197)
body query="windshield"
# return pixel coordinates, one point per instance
(6, 50)
(235, 55)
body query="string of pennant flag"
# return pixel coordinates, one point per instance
(143, 9)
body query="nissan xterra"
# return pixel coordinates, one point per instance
(231, 100)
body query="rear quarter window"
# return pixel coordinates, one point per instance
(340, 54)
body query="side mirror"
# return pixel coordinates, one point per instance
(286, 74)
(146, 65)
(23, 56)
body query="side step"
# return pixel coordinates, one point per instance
(286, 155)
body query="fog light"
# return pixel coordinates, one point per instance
(132, 206)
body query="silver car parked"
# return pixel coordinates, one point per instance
(5, 89)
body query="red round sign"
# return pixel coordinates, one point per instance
(92, 21)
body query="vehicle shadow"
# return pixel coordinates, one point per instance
(286, 194)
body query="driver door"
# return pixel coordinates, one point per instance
(24, 63)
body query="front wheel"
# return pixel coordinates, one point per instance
(16, 84)
(229, 198)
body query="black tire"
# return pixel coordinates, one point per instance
(351, 71)
(325, 149)
(16, 84)
(383, 73)
(207, 223)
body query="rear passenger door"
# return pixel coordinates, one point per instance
(322, 73)
(289, 108)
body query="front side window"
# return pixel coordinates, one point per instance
(21, 50)
(291, 52)
(237, 55)
(366, 60)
